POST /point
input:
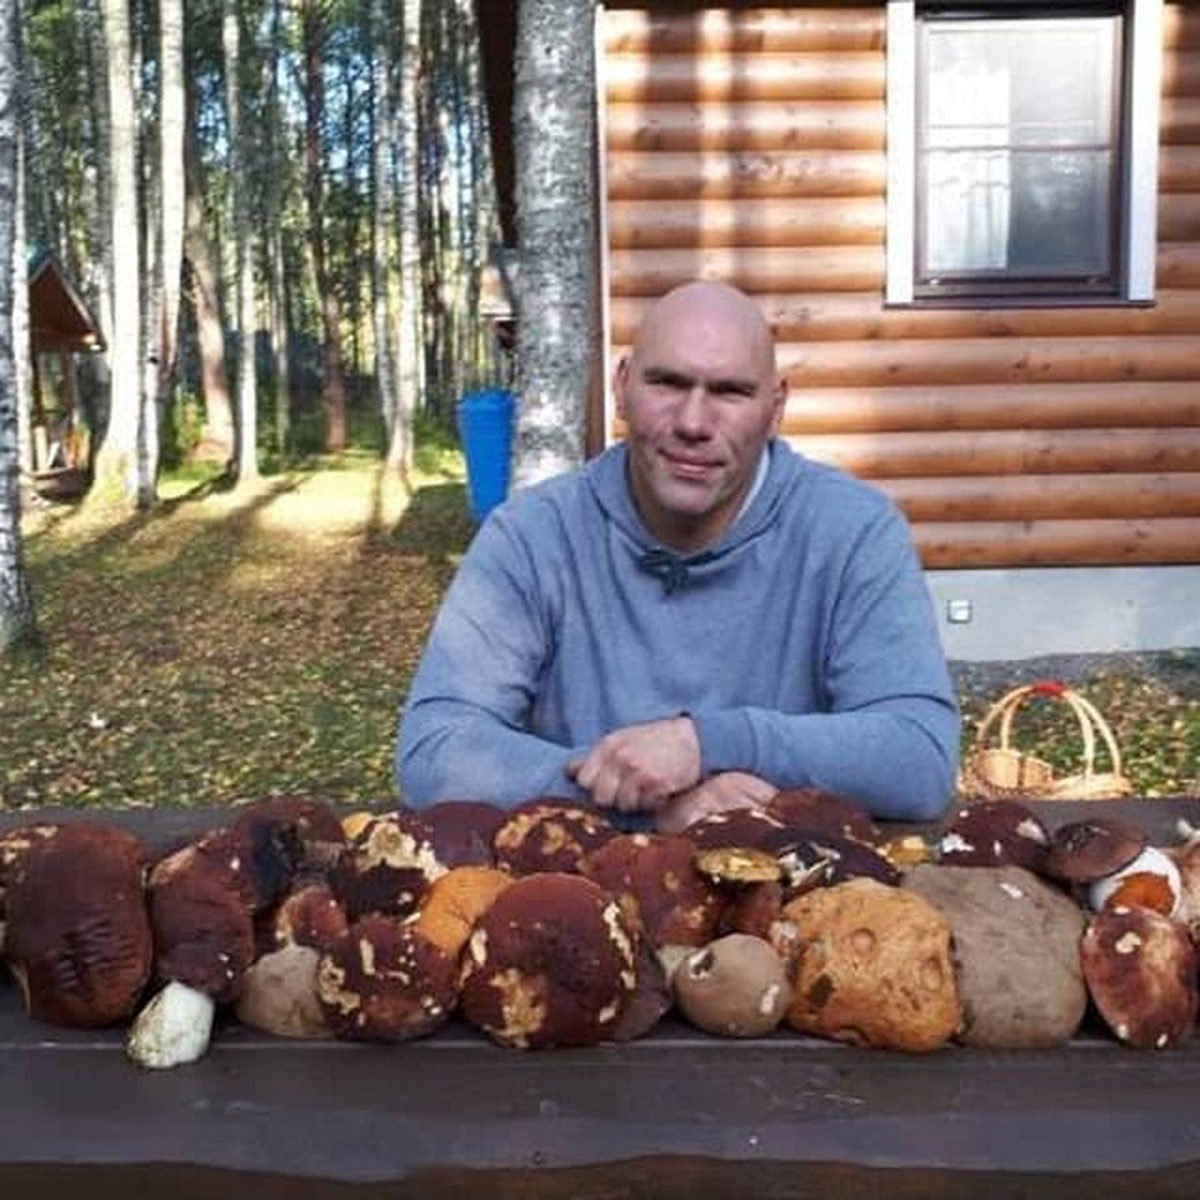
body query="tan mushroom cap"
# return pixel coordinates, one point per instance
(454, 904)
(279, 994)
(736, 986)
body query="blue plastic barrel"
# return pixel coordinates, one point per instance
(485, 427)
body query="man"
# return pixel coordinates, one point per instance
(698, 617)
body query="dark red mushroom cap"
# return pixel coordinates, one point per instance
(650, 1000)
(78, 935)
(549, 835)
(388, 866)
(463, 831)
(1083, 851)
(384, 981)
(823, 812)
(203, 934)
(551, 963)
(754, 909)
(310, 915)
(994, 833)
(659, 887)
(309, 827)
(1140, 968)
(749, 828)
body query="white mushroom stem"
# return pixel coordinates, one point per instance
(1186, 830)
(174, 1028)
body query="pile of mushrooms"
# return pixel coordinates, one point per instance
(545, 926)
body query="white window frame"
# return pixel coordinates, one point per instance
(1144, 26)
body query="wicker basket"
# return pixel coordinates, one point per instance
(999, 771)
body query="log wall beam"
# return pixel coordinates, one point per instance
(721, 31)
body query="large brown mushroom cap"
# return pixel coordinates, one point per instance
(309, 915)
(551, 963)
(549, 835)
(78, 935)
(1140, 968)
(1016, 952)
(738, 828)
(312, 821)
(386, 982)
(873, 967)
(818, 811)
(661, 891)
(994, 833)
(388, 867)
(736, 986)
(203, 934)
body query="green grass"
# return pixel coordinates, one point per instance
(231, 645)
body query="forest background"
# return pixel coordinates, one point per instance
(238, 604)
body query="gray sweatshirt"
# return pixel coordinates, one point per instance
(802, 644)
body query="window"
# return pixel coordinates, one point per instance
(1022, 151)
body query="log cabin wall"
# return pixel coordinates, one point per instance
(748, 145)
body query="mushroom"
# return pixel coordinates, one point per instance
(1084, 851)
(1140, 968)
(279, 994)
(735, 986)
(992, 833)
(873, 967)
(173, 1029)
(453, 905)
(1151, 880)
(384, 981)
(826, 859)
(662, 893)
(551, 963)
(818, 811)
(309, 915)
(650, 999)
(387, 867)
(744, 828)
(77, 933)
(463, 831)
(549, 835)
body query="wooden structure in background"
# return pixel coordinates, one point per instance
(59, 325)
(747, 143)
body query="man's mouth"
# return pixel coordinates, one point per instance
(689, 466)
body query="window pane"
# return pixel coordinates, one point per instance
(1017, 147)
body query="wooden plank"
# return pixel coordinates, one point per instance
(693, 176)
(1178, 265)
(1181, 71)
(1009, 452)
(682, 77)
(912, 362)
(1046, 497)
(960, 544)
(1018, 406)
(1179, 168)
(782, 125)
(1180, 120)
(1179, 214)
(848, 316)
(808, 221)
(756, 30)
(1181, 25)
(755, 268)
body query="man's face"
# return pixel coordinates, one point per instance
(701, 398)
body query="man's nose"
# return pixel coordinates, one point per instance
(693, 417)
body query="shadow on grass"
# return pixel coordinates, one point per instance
(436, 523)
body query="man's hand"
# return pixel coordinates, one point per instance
(718, 793)
(639, 766)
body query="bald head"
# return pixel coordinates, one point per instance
(704, 304)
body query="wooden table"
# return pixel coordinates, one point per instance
(674, 1115)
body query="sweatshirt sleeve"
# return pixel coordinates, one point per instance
(462, 730)
(889, 731)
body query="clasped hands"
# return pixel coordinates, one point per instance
(656, 767)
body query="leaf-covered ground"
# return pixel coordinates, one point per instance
(231, 645)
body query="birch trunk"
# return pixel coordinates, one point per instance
(383, 210)
(408, 364)
(22, 347)
(18, 626)
(277, 283)
(247, 392)
(116, 469)
(554, 118)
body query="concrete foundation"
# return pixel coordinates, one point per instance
(1032, 611)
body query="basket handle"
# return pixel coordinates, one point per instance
(1090, 720)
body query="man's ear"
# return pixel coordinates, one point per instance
(620, 383)
(778, 404)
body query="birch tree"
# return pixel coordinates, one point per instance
(554, 120)
(382, 286)
(247, 392)
(116, 468)
(18, 626)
